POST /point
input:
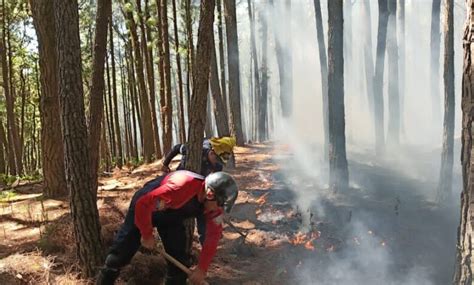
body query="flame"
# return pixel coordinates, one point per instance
(309, 245)
(305, 239)
(262, 199)
(299, 238)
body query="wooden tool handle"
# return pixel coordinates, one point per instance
(178, 264)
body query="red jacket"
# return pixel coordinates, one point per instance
(177, 189)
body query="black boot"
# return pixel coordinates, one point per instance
(107, 276)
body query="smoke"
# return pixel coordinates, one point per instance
(403, 236)
(367, 262)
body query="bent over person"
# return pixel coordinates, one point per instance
(215, 154)
(165, 203)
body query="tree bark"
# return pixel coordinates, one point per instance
(234, 71)
(464, 268)
(118, 136)
(182, 128)
(3, 148)
(161, 70)
(338, 172)
(446, 172)
(401, 61)
(12, 131)
(393, 91)
(148, 58)
(256, 73)
(434, 63)
(8, 46)
(368, 57)
(96, 105)
(147, 128)
(208, 130)
(54, 177)
(219, 109)
(221, 54)
(379, 70)
(324, 71)
(167, 110)
(263, 100)
(109, 110)
(84, 211)
(197, 119)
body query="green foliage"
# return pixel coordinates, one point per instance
(7, 195)
(7, 179)
(128, 7)
(151, 22)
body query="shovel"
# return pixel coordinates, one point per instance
(235, 229)
(178, 264)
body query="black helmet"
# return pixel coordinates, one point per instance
(224, 187)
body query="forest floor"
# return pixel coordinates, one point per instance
(385, 230)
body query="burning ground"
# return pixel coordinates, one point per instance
(384, 230)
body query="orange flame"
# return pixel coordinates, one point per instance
(299, 238)
(262, 199)
(309, 245)
(305, 239)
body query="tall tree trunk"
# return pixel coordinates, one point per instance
(464, 268)
(379, 70)
(22, 114)
(219, 109)
(197, 119)
(338, 172)
(148, 57)
(8, 45)
(161, 70)
(109, 111)
(182, 128)
(118, 136)
(12, 131)
(446, 172)
(368, 57)
(234, 71)
(393, 91)
(435, 52)
(189, 34)
(96, 107)
(255, 68)
(3, 148)
(147, 128)
(104, 150)
(134, 106)
(52, 151)
(84, 211)
(324, 71)
(208, 130)
(263, 100)
(285, 66)
(401, 61)
(197, 113)
(167, 111)
(221, 54)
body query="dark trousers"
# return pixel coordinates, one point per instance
(172, 232)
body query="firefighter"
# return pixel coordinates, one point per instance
(165, 203)
(215, 154)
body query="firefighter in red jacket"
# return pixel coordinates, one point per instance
(165, 203)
